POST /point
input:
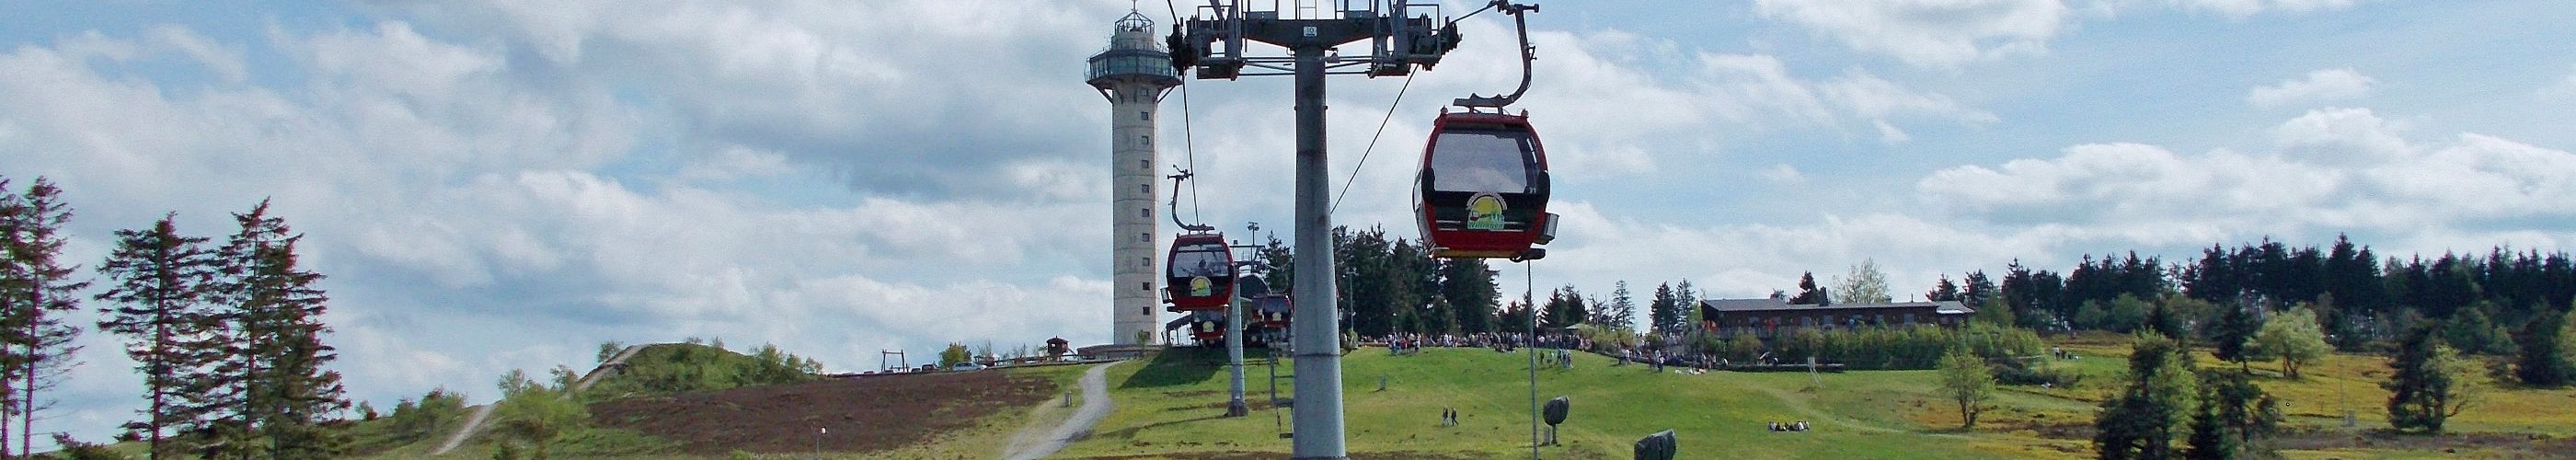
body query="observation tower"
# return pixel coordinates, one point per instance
(1134, 74)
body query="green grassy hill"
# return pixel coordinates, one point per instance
(1171, 405)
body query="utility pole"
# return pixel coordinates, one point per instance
(1212, 41)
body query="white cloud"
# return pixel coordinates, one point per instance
(1931, 33)
(224, 61)
(1784, 174)
(2245, 8)
(2320, 85)
(2564, 87)
(2336, 169)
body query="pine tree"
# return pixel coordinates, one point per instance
(2142, 421)
(1942, 291)
(2234, 418)
(2548, 356)
(280, 392)
(1663, 313)
(1686, 298)
(1809, 293)
(1623, 307)
(2235, 327)
(2428, 384)
(158, 280)
(37, 291)
(1468, 286)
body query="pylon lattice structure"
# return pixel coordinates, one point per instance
(1213, 42)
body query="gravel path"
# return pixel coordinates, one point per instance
(1095, 404)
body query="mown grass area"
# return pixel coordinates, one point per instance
(1171, 407)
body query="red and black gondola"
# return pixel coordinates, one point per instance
(1483, 188)
(1200, 272)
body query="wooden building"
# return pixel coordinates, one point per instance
(1776, 317)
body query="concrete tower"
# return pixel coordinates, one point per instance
(1133, 73)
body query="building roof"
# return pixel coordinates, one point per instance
(1946, 307)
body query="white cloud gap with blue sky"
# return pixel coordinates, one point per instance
(494, 185)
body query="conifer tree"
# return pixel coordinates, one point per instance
(279, 391)
(1623, 308)
(2142, 421)
(37, 291)
(1686, 298)
(1663, 312)
(2545, 359)
(2235, 327)
(157, 280)
(2428, 384)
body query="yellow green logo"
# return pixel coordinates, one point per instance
(1485, 212)
(1201, 287)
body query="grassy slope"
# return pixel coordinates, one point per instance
(1169, 405)
(985, 440)
(1170, 409)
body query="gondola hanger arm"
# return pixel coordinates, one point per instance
(1174, 206)
(1529, 53)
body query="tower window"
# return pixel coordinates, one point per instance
(1145, 237)
(1145, 165)
(1146, 212)
(1145, 115)
(1147, 189)
(1145, 310)
(1145, 286)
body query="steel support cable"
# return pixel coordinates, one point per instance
(1372, 145)
(1189, 139)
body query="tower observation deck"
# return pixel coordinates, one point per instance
(1134, 74)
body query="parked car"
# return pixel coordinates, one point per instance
(967, 367)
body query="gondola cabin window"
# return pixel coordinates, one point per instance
(1482, 161)
(1188, 264)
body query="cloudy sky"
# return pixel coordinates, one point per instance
(506, 184)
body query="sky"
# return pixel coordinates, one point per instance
(494, 185)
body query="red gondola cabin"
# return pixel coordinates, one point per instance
(1201, 272)
(1483, 189)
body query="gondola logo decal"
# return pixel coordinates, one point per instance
(1201, 287)
(1485, 212)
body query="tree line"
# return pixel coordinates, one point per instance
(228, 338)
(2504, 303)
(1392, 285)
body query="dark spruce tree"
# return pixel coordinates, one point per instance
(2142, 421)
(1943, 290)
(2234, 419)
(281, 391)
(1809, 293)
(2423, 384)
(157, 283)
(1468, 286)
(2234, 326)
(40, 292)
(2543, 362)
(1663, 312)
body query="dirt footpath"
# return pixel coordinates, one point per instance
(861, 414)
